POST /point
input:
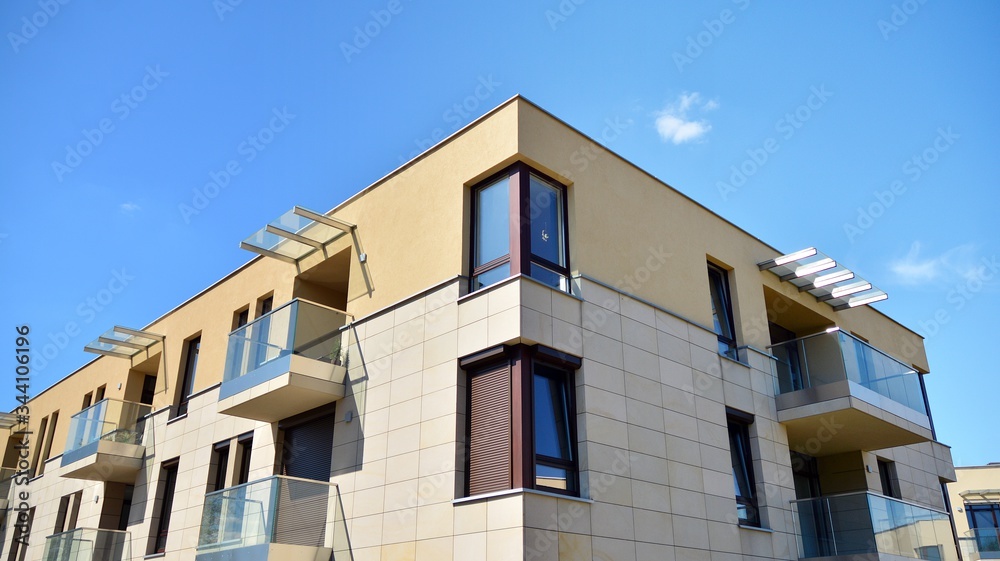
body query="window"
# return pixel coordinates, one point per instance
(743, 476)
(244, 446)
(306, 445)
(38, 451)
(187, 381)
(984, 521)
(219, 465)
(521, 429)
(519, 227)
(148, 389)
(47, 446)
(69, 511)
(168, 483)
(722, 311)
(99, 395)
(19, 544)
(887, 475)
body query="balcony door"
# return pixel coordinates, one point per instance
(307, 449)
(790, 375)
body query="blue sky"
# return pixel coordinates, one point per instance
(866, 129)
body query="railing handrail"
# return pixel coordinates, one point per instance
(289, 303)
(262, 479)
(872, 493)
(86, 530)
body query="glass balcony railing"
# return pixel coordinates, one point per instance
(835, 356)
(109, 419)
(867, 523)
(88, 544)
(296, 328)
(275, 510)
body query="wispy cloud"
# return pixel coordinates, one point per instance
(916, 268)
(675, 122)
(129, 207)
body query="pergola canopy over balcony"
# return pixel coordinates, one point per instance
(286, 362)
(811, 271)
(123, 342)
(107, 441)
(835, 393)
(295, 235)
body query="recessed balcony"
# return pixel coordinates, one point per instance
(870, 526)
(107, 442)
(286, 362)
(836, 393)
(277, 518)
(88, 544)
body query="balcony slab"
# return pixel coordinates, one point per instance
(282, 388)
(105, 460)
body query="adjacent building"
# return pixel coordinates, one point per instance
(499, 351)
(975, 504)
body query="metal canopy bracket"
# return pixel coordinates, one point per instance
(811, 271)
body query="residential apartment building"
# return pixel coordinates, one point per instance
(975, 504)
(496, 352)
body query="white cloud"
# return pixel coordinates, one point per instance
(958, 262)
(675, 124)
(129, 207)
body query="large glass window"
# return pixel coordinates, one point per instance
(168, 481)
(743, 478)
(521, 421)
(554, 459)
(722, 311)
(519, 227)
(187, 383)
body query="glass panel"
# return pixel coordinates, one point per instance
(275, 510)
(545, 214)
(88, 544)
(743, 484)
(492, 276)
(298, 327)
(108, 419)
(492, 222)
(865, 523)
(549, 277)
(553, 477)
(836, 356)
(551, 414)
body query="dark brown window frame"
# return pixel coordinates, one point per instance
(727, 301)
(187, 378)
(519, 254)
(168, 484)
(520, 360)
(742, 421)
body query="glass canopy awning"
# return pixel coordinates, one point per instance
(811, 271)
(295, 234)
(122, 342)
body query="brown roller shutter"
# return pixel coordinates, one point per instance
(489, 430)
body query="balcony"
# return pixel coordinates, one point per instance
(981, 543)
(6, 482)
(286, 362)
(872, 526)
(836, 393)
(277, 518)
(88, 544)
(107, 442)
